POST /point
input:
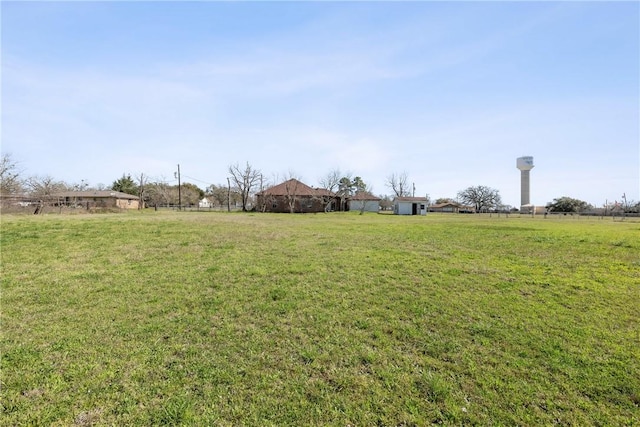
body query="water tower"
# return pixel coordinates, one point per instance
(525, 164)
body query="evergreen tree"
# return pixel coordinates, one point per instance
(125, 185)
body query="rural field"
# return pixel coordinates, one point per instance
(187, 318)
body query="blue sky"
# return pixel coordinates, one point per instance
(450, 93)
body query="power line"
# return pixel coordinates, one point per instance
(196, 179)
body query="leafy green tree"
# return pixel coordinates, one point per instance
(191, 194)
(219, 194)
(125, 185)
(358, 184)
(345, 190)
(567, 204)
(194, 188)
(348, 188)
(344, 186)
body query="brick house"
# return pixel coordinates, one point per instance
(96, 199)
(295, 196)
(451, 207)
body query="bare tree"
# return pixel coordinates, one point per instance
(79, 186)
(442, 200)
(245, 180)
(10, 182)
(142, 180)
(291, 188)
(160, 193)
(399, 184)
(331, 183)
(331, 180)
(481, 197)
(265, 200)
(43, 187)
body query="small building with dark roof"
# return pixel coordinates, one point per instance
(364, 201)
(450, 207)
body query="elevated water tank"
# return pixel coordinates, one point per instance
(525, 164)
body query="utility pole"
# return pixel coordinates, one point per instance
(179, 191)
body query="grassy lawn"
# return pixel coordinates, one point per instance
(329, 319)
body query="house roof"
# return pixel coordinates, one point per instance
(324, 192)
(293, 187)
(365, 195)
(97, 194)
(411, 199)
(444, 205)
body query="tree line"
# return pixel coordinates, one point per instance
(245, 181)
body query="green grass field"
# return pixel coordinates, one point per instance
(329, 319)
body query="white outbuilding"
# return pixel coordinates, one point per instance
(410, 205)
(364, 201)
(205, 203)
